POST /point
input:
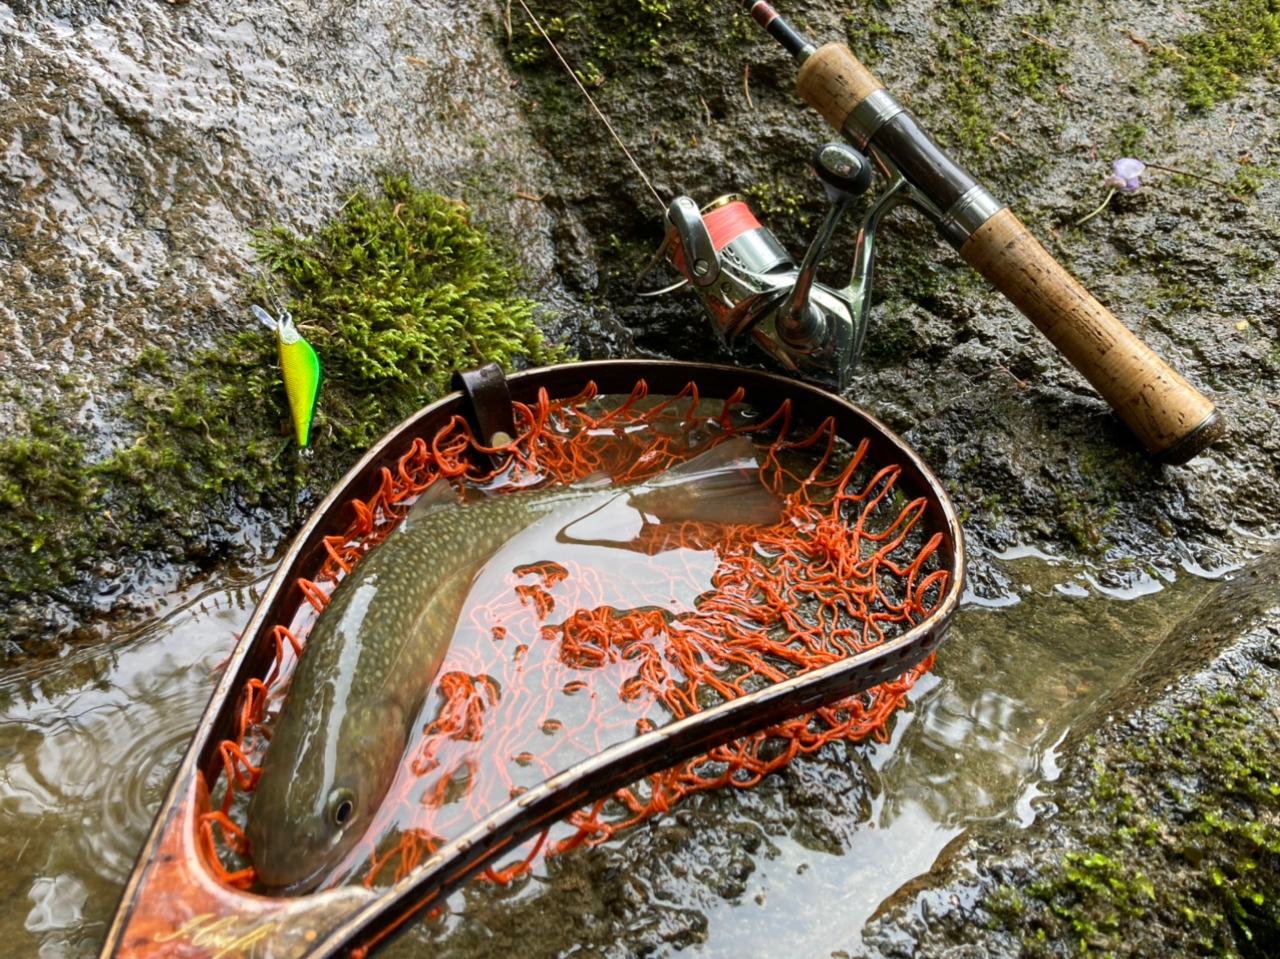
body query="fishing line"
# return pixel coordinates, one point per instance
(568, 69)
(724, 225)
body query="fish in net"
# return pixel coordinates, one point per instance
(553, 661)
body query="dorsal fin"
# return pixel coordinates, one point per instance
(738, 453)
(439, 493)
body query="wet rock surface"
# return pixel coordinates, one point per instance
(140, 144)
(1164, 814)
(1029, 451)
(143, 145)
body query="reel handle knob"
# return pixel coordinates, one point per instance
(845, 173)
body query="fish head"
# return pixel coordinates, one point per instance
(313, 805)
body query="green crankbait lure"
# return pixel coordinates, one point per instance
(300, 368)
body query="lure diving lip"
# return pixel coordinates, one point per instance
(300, 368)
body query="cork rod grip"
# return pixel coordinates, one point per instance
(1161, 408)
(1172, 419)
(833, 82)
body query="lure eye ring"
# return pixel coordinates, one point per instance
(341, 807)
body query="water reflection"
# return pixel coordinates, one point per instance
(87, 747)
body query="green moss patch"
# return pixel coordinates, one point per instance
(604, 32)
(396, 293)
(1240, 39)
(985, 59)
(1197, 802)
(45, 490)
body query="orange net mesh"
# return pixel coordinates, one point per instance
(553, 662)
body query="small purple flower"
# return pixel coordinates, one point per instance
(1125, 173)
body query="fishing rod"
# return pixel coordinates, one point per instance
(750, 285)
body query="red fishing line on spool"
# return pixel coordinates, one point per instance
(729, 222)
(725, 224)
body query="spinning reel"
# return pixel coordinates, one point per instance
(750, 286)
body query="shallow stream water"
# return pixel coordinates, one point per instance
(87, 746)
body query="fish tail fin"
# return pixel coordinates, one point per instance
(721, 485)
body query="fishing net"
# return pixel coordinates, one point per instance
(554, 661)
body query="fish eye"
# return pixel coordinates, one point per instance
(342, 806)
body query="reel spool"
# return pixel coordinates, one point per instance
(749, 284)
(737, 236)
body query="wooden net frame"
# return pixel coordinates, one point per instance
(524, 697)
